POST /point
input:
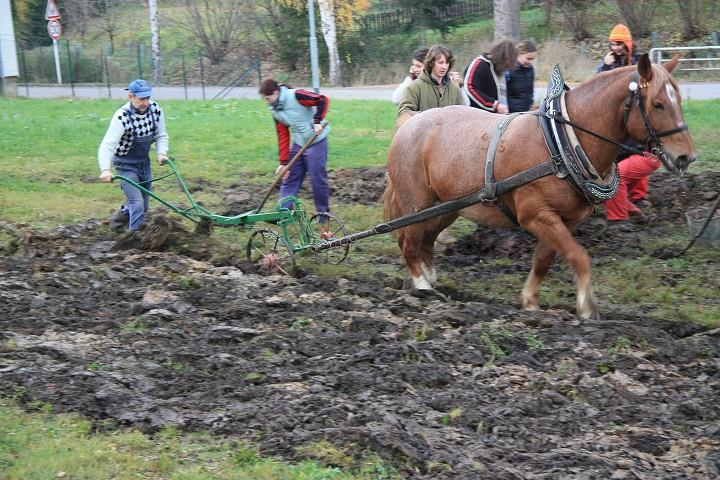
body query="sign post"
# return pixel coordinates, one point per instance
(54, 28)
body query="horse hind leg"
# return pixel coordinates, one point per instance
(542, 261)
(551, 231)
(416, 247)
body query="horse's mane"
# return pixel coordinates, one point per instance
(599, 82)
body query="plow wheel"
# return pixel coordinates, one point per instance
(268, 253)
(330, 228)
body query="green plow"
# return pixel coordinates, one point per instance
(288, 230)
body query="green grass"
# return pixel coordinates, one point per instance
(49, 146)
(41, 445)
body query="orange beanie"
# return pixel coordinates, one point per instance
(621, 33)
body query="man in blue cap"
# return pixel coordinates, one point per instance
(133, 128)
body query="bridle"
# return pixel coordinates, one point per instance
(655, 146)
(653, 140)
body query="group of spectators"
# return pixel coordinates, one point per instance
(500, 81)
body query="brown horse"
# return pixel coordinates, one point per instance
(439, 155)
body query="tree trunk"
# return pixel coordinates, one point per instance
(506, 14)
(329, 31)
(155, 35)
(547, 9)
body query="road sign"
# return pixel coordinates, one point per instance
(54, 28)
(51, 11)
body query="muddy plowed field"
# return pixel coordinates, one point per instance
(438, 384)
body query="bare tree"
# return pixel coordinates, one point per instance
(690, 14)
(329, 31)
(638, 14)
(575, 14)
(216, 25)
(77, 13)
(108, 12)
(155, 35)
(506, 14)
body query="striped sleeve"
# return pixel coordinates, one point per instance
(311, 99)
(478, 82)
(283, 134)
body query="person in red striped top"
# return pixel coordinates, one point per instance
(300, 113)
(484, 82)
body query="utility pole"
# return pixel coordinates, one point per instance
(313, 49)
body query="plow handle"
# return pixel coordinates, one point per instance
(288, 165)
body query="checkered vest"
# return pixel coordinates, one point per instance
(137, 125)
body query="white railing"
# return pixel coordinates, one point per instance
(711, 63)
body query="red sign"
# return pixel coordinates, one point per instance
(54, 29)
(51, 12)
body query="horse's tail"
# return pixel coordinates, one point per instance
(391, 208)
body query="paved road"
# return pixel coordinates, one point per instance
(695, 91)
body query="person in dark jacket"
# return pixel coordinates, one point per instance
(484, 81)
(521, 80)
(621, 52)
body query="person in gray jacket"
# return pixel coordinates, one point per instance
(126, 145)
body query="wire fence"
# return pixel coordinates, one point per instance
(80, 65)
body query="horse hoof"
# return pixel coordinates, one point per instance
(531, 308)
(590, 315)
(412, 284)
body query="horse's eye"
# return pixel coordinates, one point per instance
(658, 105)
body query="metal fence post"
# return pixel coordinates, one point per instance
(70, 68)
(23, 66)
(655, 40)
(105, 72)
(2, 72)
(184, 76)
(139, 60)
(202, 76)
(259, 68)
(715, 38)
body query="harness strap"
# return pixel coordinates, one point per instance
(503, 186)
(490, 157)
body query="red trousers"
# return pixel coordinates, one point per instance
(634, 172)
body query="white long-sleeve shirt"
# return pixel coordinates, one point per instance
(123, 125)
(397, 95)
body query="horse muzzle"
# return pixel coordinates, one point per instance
(679, 164)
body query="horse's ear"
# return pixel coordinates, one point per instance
(645, 68)
(670, 66)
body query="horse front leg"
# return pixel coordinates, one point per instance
(542, 261)
(550, 230)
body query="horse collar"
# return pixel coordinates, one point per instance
(575, 164)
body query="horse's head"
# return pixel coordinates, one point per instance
(658, 121)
